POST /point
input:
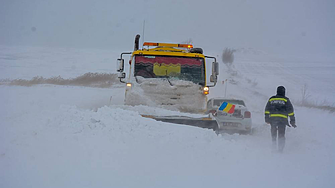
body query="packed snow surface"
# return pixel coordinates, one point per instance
(83, 136)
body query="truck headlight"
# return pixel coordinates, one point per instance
(206, 90)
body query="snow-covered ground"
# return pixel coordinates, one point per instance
(77, 136)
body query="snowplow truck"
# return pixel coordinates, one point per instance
(169, 76)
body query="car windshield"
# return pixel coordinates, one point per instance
(218, 102)
(176, 68)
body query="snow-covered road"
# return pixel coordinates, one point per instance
(72, 136)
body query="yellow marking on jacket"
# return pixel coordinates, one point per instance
(278, 99)
(278, 115)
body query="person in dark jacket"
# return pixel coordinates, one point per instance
(277, 111)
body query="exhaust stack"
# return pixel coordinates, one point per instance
(137, 42)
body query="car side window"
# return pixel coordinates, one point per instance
(217, 103)
(209, 104)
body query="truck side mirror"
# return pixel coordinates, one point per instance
(213, 78)
(215, 72)
(121, 75)
(215, 68)
(120, 65)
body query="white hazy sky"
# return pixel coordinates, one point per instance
(282, 26)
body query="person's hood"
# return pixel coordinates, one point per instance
(281, 91)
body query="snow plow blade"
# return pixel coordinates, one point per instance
(204, 122)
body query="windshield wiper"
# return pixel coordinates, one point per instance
(167, 77)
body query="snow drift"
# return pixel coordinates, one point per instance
(70, 136)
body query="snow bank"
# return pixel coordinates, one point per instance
(47, 143)
(177, 95)
(74, 136)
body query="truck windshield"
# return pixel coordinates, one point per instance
(174, 67)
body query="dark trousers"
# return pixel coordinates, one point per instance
(278, 130)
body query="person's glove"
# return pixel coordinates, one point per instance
(293, 124)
